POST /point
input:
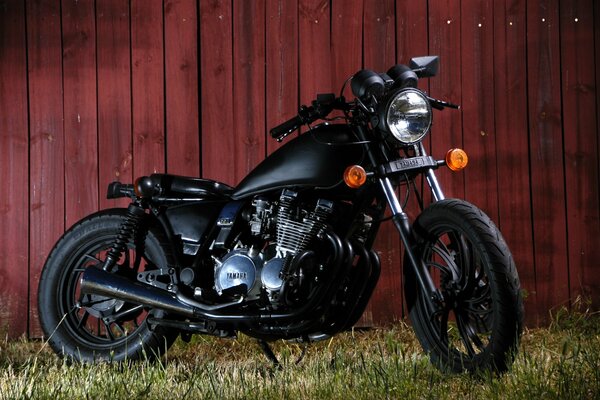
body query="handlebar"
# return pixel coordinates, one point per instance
(321, 107)
(284, 129)
(440, 104)
(367, 86)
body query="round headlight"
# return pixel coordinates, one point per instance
(408, 116)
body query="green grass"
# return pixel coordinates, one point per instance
(558, 362)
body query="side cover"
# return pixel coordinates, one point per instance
(317, 158)
(192, 222)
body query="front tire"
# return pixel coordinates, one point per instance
(478, 326)
(90, 328)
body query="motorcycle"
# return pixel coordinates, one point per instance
(288, 253)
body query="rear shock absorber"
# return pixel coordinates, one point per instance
(127, 231)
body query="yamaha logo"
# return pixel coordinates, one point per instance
(237, 275)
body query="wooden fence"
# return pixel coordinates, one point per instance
(93, 91)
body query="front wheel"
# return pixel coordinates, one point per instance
(90, 327)
(478, 324)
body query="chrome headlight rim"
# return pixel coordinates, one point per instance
(393, 132)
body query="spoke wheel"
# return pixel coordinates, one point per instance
(90, 327)
(478, 323)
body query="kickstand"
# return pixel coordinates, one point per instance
(269, 353)
(301, 357)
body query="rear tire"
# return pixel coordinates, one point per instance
(479, 325)
(96, 328)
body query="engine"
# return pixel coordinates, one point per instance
(289, 228)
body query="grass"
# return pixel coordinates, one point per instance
(558, 362)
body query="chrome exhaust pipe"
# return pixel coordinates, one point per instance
(99, 282)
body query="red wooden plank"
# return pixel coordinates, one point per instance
(249, 85)
(510, 99)
(346, 59)
(411, 34)
(281, 64)
(581, 147)
(181, 66)
(147, 88)
(114, 96)
(13, 164)
(217, 90)
(445, 41)
(412, 40)
(379, 52)
(379, 35)
(346, 40)
(479, 137)
(546, 157)
(315, 50)
(46, 197)
(597, 64)
(79, 85)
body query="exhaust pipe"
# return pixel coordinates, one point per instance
(99, 282)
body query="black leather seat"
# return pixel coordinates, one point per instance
(188, 187)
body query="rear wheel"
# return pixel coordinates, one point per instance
(478, 325)
(90, 327)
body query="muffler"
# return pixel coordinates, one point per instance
(99, 282)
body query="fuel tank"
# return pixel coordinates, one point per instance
(317, 159)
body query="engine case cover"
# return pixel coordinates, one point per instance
(238, 268)
(270, 275)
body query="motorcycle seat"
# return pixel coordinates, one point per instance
(190, 188)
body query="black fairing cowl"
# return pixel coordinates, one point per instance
(317, 159)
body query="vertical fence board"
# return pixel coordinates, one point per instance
(510, 99)
(217, 90)
(446, 133)
(346, 40)
(248, 85)
(79, 85)
(596, 277)
(379, 35)
(181, 66)
(14, 213)
(281, 64)
(545, 142)
(379, 52)
(479, 137)
(581, 157)
(46, 148)
(412, 40)
(346, 58)
(114, 96)
(315, 49)
(147, 87)
(411, 30)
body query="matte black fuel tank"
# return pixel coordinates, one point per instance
(317, 158)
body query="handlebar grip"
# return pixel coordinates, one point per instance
(287, 127)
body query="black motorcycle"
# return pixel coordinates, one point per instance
(288, 253)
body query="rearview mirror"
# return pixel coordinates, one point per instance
(425, 67)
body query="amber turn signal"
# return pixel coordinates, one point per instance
(143, 186)
(456, 159)
(355, 176)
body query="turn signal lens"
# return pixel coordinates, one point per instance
(143, 187)
(456, 159)
(355, 176)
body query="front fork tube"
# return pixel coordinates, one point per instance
(432, 181)
(436, 189)
(402, 223)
